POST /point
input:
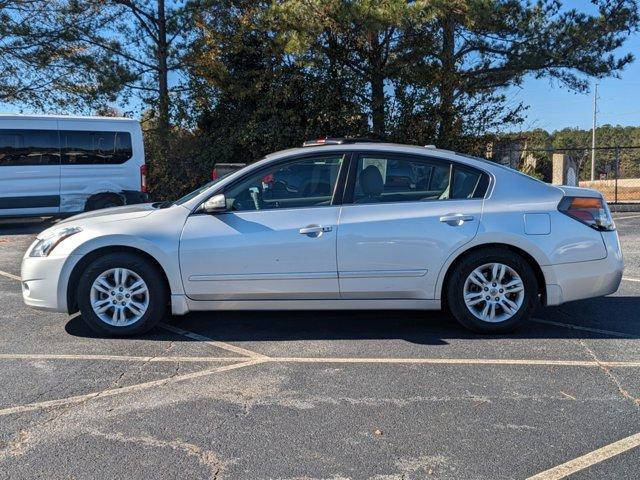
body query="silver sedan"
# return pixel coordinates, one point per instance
(336, 224)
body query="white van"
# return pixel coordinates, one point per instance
(59, 165)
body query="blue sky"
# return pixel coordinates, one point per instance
(552, 107)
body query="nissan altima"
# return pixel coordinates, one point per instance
(336, 224)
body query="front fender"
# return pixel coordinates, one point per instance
(167, 259)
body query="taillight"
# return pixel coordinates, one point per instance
(143, 179)
(592, 211)
(214, 174)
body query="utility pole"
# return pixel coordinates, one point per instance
(593, 134)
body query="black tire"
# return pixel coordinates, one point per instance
(104, 201)
(455, 290)
(157, 293)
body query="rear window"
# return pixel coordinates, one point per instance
(91, 148)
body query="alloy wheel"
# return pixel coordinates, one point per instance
(119, 297)
(494, 292)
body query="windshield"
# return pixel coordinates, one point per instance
(199, 190)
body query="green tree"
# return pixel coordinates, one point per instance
(374, 40)
(36, 48)
(447, 62)
(145, 39)
(479, 47)
(252, 98)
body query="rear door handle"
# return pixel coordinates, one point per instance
(456, 219)
(314, 230)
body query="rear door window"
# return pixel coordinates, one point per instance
(95, 148)
(29, 147)
(387, 178)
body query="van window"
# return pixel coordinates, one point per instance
(91, 148)
(29, 147)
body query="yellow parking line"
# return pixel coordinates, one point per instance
(212, 342)
(455, 361)
(585, 461)
(625, 218)
(118, 358)
(10, 275)
(354, 360)
(185, 333)
(118, 391)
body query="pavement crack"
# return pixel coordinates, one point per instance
(205, 457)
(16, 447)
(116, 382)
(607, 371)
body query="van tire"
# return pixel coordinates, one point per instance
(105, 200)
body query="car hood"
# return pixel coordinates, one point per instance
(114, 214)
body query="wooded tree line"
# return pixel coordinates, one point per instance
(230, 80)
(617, 147)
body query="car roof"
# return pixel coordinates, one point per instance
(361, 146)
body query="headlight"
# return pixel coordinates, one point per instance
(45, 245)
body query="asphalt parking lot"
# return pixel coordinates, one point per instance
(332, 395)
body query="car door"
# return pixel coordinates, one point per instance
(403, 216)
(29, 168)
(277, 239)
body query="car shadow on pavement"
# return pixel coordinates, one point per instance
(25, 226)
(616, 314)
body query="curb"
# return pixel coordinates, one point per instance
(624, 207)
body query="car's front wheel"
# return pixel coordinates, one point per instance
(492, 291)
(122, 294)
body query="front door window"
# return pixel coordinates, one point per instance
(306, 182)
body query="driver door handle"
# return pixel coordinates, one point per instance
(314, 229)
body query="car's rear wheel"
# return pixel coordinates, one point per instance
(492, 291)
(121, 294)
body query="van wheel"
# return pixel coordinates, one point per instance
(103, 201)
(492, 291)
(122, 294)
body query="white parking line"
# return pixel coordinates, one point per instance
(212, 342)
(629, 279)
(10, 275)
(585, 461)
(585, 329)
(119, 391)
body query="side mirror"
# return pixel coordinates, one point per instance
(216, 204)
